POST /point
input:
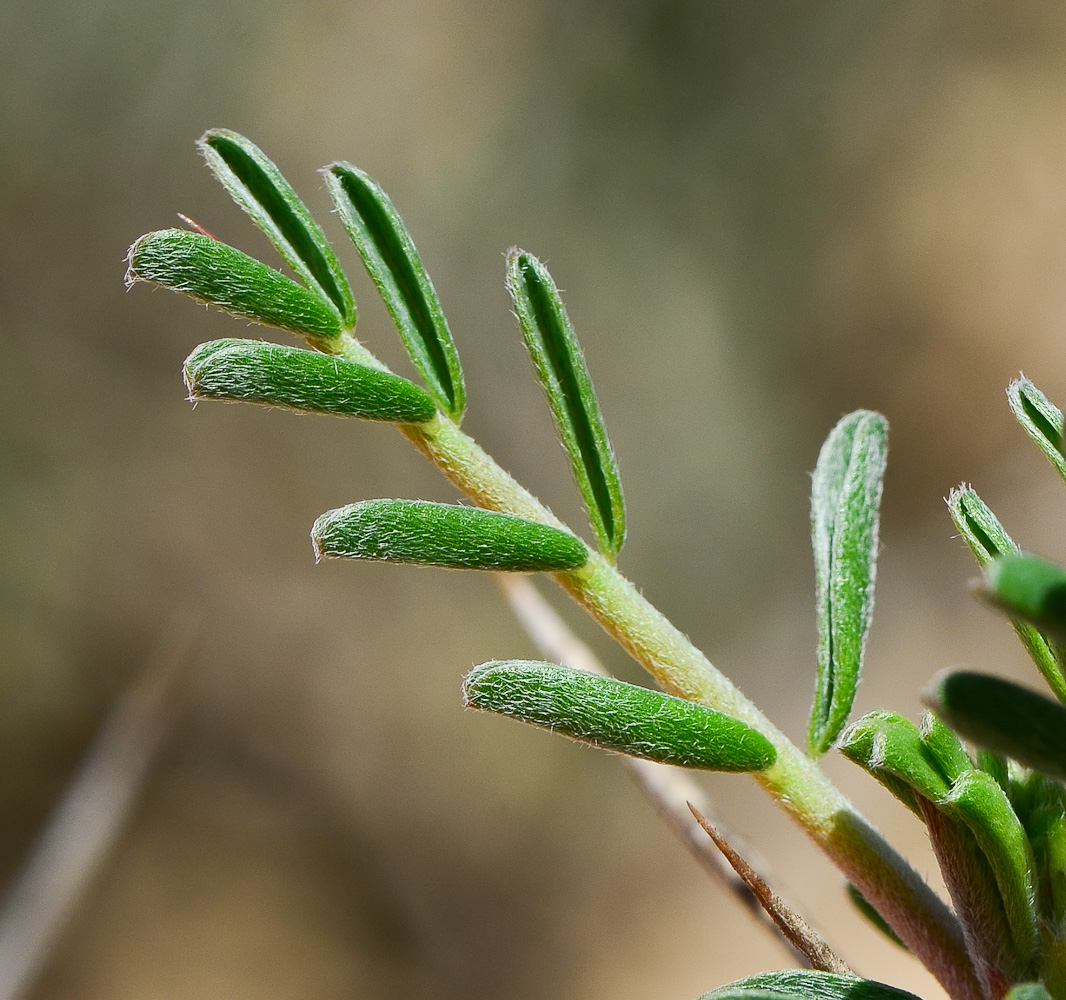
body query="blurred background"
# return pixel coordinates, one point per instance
(763, 216)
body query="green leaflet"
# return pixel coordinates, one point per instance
(804, 984)
(1040, 418)
(257, 372)
(1031, 588)
(449, 535)
(613, 715)
(221, 275)
(256, 184)
(394, 265)
(564, 376)
(1004, 717)
(977, 801)
(863, 905)
(890, 748)
(845, 500)
(988, 540)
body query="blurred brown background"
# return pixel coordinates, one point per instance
(762, 215)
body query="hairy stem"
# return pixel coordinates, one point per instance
(921, 919)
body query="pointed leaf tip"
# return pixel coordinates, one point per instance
(447, 535)
(258, 187)
(614, 715)
(395, 267)
(845, 506)
(564, 376)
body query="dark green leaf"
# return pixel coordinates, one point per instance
(1030, 588)
(257, 372)
(395, 267)
(564, 376)
(450, 535)
(221, 275)
(845, 500)
(617, 716)
(803, 984)
(1040, 418)
(862, 904)
(1004, 717)
(256, 184)
(988, 540)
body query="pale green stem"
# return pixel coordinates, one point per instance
(915, 912)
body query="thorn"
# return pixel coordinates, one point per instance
(804, 938)
(197, 228)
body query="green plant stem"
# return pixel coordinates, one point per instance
(921, 919)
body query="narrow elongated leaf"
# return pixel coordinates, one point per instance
(223, 276)
(614, 715)
(1031, 588)
(863, 905)
(257, 372)
(988, 540)
(890, 748)
(394, 265)
(803, 984)
(564, 376)
(256, 184)
(1040, 418)
(1004, 717)
(978, 802)
(845, 501)
(441, 534)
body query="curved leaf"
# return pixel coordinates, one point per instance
(845, 501)
(256, 184)
(257, 372)
(394, 265)
(564, 376)
(890, 748)
(449, 535)
(221, 275)
(611, 714)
